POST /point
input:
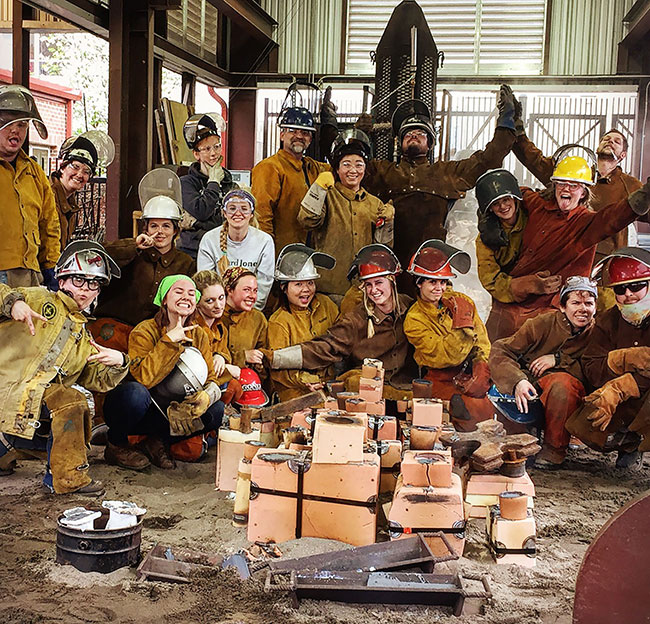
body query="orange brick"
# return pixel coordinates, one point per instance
(427, 468)
(427, 412)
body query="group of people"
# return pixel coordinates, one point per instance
(234, 295)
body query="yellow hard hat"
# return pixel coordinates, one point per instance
(573, 169)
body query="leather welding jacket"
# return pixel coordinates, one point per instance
(66, 207)
(218, 335)
(428, 327)
(153, 355)
(130, 298)
(31, 236)
(246, 331)
(422, 192)
(607, 190)
(58, 353)
(546, 334)
(278, 184)
(292, 326)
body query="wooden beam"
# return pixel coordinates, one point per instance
(87, 15)
(20, 44)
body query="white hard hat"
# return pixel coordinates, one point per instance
(162, 207)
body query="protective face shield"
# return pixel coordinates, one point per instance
(296, 118)
(624, 266)
(297, 263)
(87, 259)
(93, 148)
(187, 377)
(350, 142)
(374, 261)
(413, 115)
(202, 125)
(17, 104)
(160, 195)
(253, 395)
(578, 282)
(495, 185)
(435, 259)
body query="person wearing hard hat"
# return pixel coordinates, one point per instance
(31, 236)
(79, 158)
(206, 182)
(616, 363)
(561, 237)
(47, 354)
(423, 191)
(303, 314)
(501, 224)
(374, 329)
(340, 215)
(279, 182)
(145, 261)
(239, 243)
(542, 361)
(174, 395)
(611, 186)
(449, 338)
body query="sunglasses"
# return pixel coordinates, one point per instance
(633, 287)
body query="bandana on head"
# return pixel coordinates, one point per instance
(167, 283)
(240, 194)
(231, 276)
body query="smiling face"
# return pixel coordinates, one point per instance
(244, 295)
(162, 231)
(74, 176)
(12, 138)
(208, 150)
(181, 299)
(506, 209)
(300, 294)
(238, 213)
(568, 195)
(612, 147)
(431, 289)
(213, 302)
(579, 308)
(294, 141)
(351, 170)
(380, 291)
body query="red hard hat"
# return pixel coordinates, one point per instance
(624, 270)
(252, 394)
(435, 259)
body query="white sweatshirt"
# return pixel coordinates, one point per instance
(256, 253)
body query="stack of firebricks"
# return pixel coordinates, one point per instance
(325, 476)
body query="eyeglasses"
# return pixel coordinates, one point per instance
(633, 287)
(92, 283)
(347, 165)
(231, 210)
(211, 148)
(415, 134)
(79, 168)
(572, 186)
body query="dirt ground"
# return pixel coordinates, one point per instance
(184, 510)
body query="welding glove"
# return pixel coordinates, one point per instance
(216, 172)
(462, 312)
(479, 383)
(640, 200)
(606, 399)
(540, 283)
(506, 106)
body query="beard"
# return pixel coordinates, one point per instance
(607, 154)
(413, 151)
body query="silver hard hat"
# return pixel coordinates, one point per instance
(187, 377)
(87, 259)
(163, 186)
(297, 263)
(94, 148)
(17, 104)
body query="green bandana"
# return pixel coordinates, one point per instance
(167, 283)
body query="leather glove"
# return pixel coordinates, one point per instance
(182, 421)
(640, 200)
(328, 110)
(49, 281)
(233, 392)
(198, 402)
(364, 123)
(540, 283)
(606, 399)
(216, 172)
(462, 312)
(630, 360)
(479, 383)
(506, 106)
(325, 180)
(519, 122)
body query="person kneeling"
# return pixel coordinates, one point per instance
(170, 356)
(41, 410)
(544, 355)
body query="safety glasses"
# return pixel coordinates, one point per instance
(633, 287)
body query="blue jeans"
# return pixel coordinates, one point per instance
(129, 410)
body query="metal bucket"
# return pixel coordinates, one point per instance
(98, 551)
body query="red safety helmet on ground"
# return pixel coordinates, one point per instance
(435, 259)
(624, 266)
(374, 260)
(253, 395)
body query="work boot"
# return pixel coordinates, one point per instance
(632, 462)
(156, 450)
(550, 458)
(8, 456)
(94, 488)
(125, 457)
